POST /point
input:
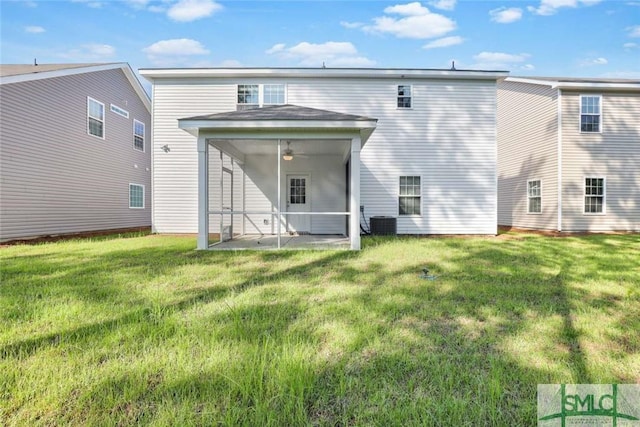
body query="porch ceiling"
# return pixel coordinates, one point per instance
(298, 146)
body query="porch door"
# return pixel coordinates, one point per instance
(298, 201)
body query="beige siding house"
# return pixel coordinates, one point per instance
(295, 150)
(75, 152)
(569, 154)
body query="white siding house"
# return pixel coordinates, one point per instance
(418, 145)
(569, 154)
(75, 152)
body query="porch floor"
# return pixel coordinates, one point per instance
(267, 242)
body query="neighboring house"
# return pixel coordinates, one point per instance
(303, 150)
(74, 149)
(569, 154)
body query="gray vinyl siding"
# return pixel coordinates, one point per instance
(448, 138)
(614, 154)
(55, 178)
(527, 150)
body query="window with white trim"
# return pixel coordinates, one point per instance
(260, 95)
(136, 196)
(95, 118)
(590, 113)
(119, 111)
(138, 135)
(410, 195)
(273, 94)
(404, 96)
(534, 196)
(594, 195)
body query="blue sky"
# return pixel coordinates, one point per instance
(589, 38)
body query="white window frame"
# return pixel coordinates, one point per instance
(529, 197)
(585, 195)
(143, 195)
(410, 99)
(261, 87)
(590, 95)
(420, 195)
(104, 118)
(119, 111)
(144, 131)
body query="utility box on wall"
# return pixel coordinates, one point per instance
(383, 226)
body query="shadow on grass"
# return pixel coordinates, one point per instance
(342, 338)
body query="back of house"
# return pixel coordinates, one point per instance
(74, 150)
(429, 160)
(569, 154)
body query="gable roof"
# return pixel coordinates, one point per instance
(287, 112)
(17, 73)
(579, 83)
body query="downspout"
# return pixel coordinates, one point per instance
(559, 159)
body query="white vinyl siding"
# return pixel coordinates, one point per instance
(65, 182)
(138, 135)
(534, 196)
(527, 150)
(95, 118)
(613, 153)
(590, 113)
(431, 140)
(594, 195)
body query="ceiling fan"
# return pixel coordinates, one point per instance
(288, 153)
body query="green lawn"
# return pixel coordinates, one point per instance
(146, 330)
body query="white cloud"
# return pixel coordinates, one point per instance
(550, 7)
(503, 15)
(90, 52)
(332, 54)
(279, 47)
(594, 61)
(351, 25)
(137, 4)
(409, 9)
(174, 52)
(415, 22)
(630, 45)
(634, 31)
(443, 4)
(34, 29)
(191, 10)
(444, 42)
(500, 60)
(91, 3)
(527, 67)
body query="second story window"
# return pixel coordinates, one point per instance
(260, 95)
(138, 135)
(95, 118)
(404, 96)
(590, 112)
(248, 96)
(273, 94)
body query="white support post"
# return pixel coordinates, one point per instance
(354, 218)
(203, 193)
(221, 197)
(279, 215)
